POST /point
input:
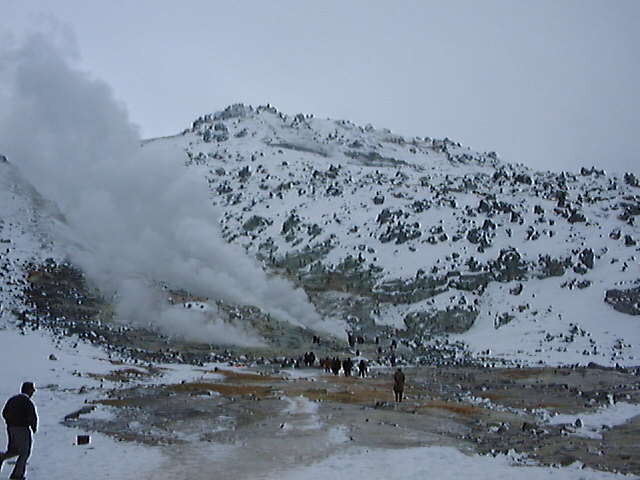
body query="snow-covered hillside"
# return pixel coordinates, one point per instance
(414, 227)
(419, 238)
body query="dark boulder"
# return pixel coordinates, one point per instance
(488, 225)
(631, 179)
(553, 267)
(508, 266)
(587, 258)
(452, 320)
(378, 199)
(576, 217)
(625, 301)
(524, 179)
(255, 222)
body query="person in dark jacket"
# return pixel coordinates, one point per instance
(335, 365)
(20, 415)
(398, 384)
(362, 367)
(347, 366)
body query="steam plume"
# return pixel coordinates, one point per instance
(135, 217)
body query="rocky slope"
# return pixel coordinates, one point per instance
(415, 242)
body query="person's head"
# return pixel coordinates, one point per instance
(28, 388)
(399, 369)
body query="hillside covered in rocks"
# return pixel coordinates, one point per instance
(418, 243)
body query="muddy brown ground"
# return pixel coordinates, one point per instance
(487, 411)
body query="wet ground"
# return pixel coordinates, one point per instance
(284, 420)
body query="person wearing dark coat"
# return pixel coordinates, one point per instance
(326, 364)
(335, 365)
(309, 359)
(362, 367)
(351, 339)
(347, 366)
(398, 384)
(20, 415)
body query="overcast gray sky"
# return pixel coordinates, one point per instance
(549, 83)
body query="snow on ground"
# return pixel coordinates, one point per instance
(443, 463)
(554, 331)
(593, 424)
(303, 414)
(301, 373)
(55, 453)
(26, 356)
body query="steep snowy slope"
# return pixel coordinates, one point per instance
(25, 219)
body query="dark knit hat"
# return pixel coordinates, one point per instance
(28, 387)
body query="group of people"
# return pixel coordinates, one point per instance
(334, 365)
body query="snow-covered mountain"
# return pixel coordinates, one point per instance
(420, 238)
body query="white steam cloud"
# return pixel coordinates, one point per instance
(136, 218)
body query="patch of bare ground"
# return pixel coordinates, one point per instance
(126, 374)
(521, 373)
(221, 388)
(453, 407)
(477, 409)
(348, 390)
(242, 377)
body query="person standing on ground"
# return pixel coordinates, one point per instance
(362, 367)
(335, 365)
(21, 418)
(398, 384)
(347, 366)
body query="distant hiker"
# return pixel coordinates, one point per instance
(326, 364)
(335, 365)
(21, 418)
(347, 366)
(362, 367)
(398, 384)
(309, 359)
(351, 339)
